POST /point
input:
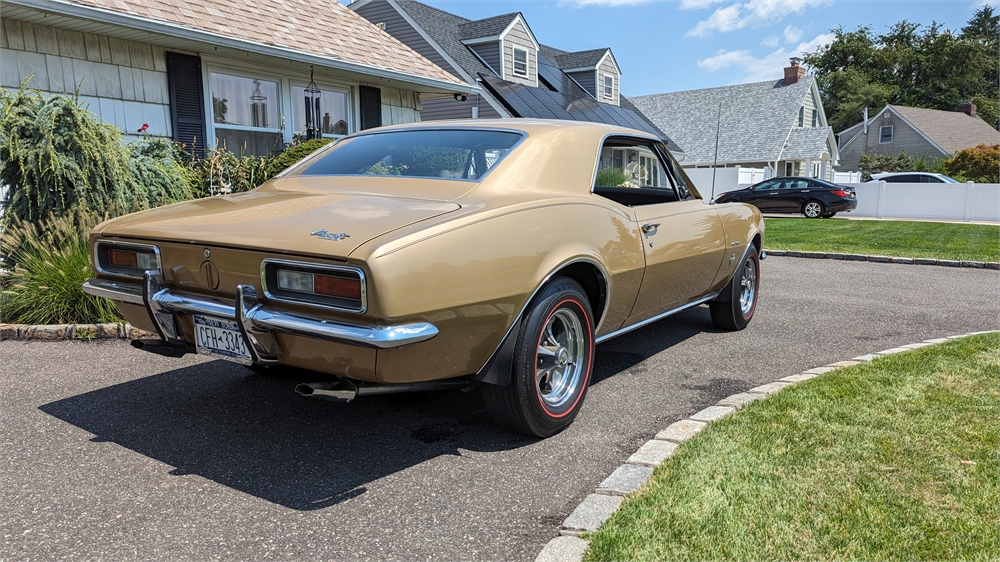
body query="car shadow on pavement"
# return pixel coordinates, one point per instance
(255, 434)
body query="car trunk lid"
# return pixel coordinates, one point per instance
(300, 222)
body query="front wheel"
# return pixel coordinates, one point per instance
(553, 359)
(813, 209)
(740, 296)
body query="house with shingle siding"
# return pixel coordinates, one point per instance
(778, 125)
(520, 77)
(931, 133)
(233, 72)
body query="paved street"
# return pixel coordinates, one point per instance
(110, 453)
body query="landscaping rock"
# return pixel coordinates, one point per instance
(653, 453)
(975, 264)
(563, 549)
(902, 260)
(950, 263)
(775, 252)
(855, 257)
(793, 254)
(993, 265)
(925, 261)
(815, 255)
(740, 400)
(713, 413)
(880, 259)
(835, 256)
(846, 363)
(770, 388)
(625, 479)
(798, 378)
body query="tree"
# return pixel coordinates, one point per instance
(910, 64)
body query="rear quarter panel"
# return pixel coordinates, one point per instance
(742, 223)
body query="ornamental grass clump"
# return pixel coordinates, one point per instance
(51, 257)
(56, 156)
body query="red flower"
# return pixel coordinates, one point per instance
(143, 128)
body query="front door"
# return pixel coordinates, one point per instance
(764, 196)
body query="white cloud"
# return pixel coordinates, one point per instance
(752, 14)
(758, 69)
(603, 3)
(770, 41)
(792, 34)
(698, 4)
(982, 3)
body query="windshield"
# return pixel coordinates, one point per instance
(446, 154)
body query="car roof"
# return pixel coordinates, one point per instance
(523, 125)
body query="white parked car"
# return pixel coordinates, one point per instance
(911, 177)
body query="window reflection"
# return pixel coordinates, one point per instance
(244, 102)
(332, 110)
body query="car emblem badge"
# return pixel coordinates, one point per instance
(329, 235)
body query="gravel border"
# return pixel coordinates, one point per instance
(60, 332)
(630, 476)
(884, 259)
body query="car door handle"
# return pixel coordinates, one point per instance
(774, 195)
(650, 227)
(804, 191)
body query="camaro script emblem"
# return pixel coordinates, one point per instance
(329, 235)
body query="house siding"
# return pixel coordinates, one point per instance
(398, 106)
(587, 79)
(608, 67)
(809, 103)
(904, 138)
(123, 82)
(449, 108)
(490, 53)
(519, 37)
(398, 27)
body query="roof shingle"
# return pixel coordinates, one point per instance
(488, 27)
(299, 25)
(580, 59)
(951, 130)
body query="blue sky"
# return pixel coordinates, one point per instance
(671, 45)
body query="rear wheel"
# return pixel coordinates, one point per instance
(813, 209)
(741, 294)
(553, 359)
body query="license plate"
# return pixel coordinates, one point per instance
(220, 338)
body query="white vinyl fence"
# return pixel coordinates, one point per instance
(944, 201)
(726, 179)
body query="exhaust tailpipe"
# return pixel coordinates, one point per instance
(345, 390)
(160, 347)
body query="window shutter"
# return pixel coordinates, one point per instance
(371, 107)
(187, 112)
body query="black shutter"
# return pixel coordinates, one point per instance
(371, 107)
(187, 112)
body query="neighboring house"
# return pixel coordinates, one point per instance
(519, 76)
(235, 71)
(775, 124)
(918, 132)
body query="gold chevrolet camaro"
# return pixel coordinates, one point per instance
(439, 255)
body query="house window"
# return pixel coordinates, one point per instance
(802, 116)
(885, 135)
(245, 113)
(333, 105)
(609, 86)
(520, 62)
(815, 118)
(815, 169)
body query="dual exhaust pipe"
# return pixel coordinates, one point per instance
(344, 390)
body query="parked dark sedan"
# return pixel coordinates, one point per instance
(809, 196)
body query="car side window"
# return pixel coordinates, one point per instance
(796, 184)
(630, 172)
(768, 185)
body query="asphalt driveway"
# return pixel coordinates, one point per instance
(111, 453)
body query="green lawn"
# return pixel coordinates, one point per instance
(893, 460)
(910, 239)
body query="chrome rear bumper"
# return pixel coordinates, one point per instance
(257, 322)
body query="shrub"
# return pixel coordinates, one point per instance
(293, 154)
(610, 177)
(979, 163)
(223, 171)
(55, 155)
(52, 263)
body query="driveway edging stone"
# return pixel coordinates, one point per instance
(636, 471)
(884, 259)
(61, 332)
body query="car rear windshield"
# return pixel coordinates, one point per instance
(447, 154)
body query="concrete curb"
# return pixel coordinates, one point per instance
(884, 259)
(61, 332)
(630, 476)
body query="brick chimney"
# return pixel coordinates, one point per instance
(794, 72)
(967, 107)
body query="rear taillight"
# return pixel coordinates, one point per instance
(842, 193)
(334, 286)
(329, 285)
(125, 258)
(130, 259)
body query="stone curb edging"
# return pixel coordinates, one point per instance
(60, 332)
(597, 507)
(884, 259)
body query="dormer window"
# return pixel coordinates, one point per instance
(520, 62)
(609, 86)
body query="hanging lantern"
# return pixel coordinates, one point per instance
(312, 95)
(258, 106)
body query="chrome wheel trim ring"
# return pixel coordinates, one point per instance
(748, 286)
(560, 359)
(813, 210)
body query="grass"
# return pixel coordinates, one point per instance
(893, 460)
(911, 239)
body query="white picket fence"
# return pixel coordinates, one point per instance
(943, 201)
